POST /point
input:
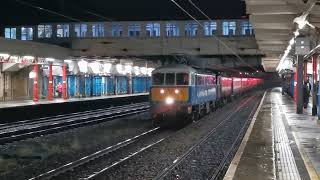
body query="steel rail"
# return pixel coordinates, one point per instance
(83, 161)
(180, 159)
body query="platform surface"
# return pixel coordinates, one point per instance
(8, 104)
(279, 143)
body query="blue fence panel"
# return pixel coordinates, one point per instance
(88, 86)
(122, 85)
(110, 85)
(97, 86)
(71, 85)
(149, 84)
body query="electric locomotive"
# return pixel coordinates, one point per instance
(180, 93)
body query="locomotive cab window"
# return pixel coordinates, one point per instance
(170, 79)
(182, 79)
(158, 79)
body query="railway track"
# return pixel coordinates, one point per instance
(85, 161)
(49, 125)
(165, 174)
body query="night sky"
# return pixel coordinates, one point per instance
(14, 13)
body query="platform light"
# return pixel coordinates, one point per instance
(169, 100)
(128, 69)
(4, 56)
(177, 91)
(95, 66)
(50, 59)
(296, 33)
(68, 61)
(119, 69)
(144, 70)
(28, 57)
(107, 68)
(150, 70)
(83, 66)
(32, 75)
(136, 70)
(162, 91)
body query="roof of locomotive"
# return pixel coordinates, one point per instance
(174, 68)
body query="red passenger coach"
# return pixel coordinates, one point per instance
(226, 87)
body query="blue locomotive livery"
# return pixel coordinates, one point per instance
(181, 93)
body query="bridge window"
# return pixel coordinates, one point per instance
(98, 30)
(210, 28)
(182, 78)
(63, 30)
(81, 30)
(153, 29)
(246, 28)
(26, 33)
(116, 30)
(229, 28)
(172, 29)
(170, 78)
(44, 31)
(10, 33)
(158, 79)
(191, 29)
(134, 30)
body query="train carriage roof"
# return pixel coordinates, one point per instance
(175, 68)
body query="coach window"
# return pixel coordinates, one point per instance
(210, 28)
(80, 30)
(10, 33)
(191, 29)
(98, 30)
(44, 31)
(116, 30)
(63, 30)
(26, 33)
(158, 79)
(246, 28)
(172, 29)
(153, 29)
(170, 78)
(134, 30)
(229, 28)
(182, 79)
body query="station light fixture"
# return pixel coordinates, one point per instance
(119, 69)
(107, 68)
(136, 70)
(68, 61)
(95, 67)
(83, 66)
(177, 91)
(162, 91)
(144, 70)
(30, 58)
(4, 56)
(150, 70)
(32, 75)
(128, 69)
(50, 59)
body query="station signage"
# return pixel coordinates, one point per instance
(22, 60)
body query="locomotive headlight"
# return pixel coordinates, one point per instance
(169, 100)
(177, 91)
(162, 91)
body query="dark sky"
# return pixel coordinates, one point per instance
(14, 13)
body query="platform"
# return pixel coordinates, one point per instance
(25, 110)
(10, 104)
(279, 144)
